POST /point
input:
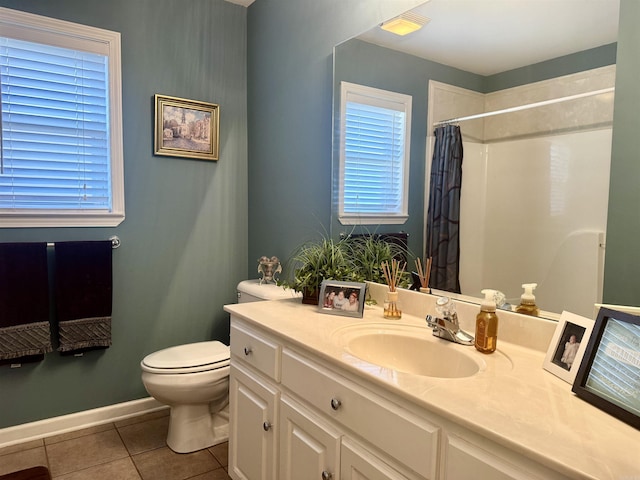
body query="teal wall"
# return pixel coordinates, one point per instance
(367, 64)
(290, 70)
(290, 98)
(184, 239)
(622, 260)
(374, 66)
(566, 65)
(184, 242)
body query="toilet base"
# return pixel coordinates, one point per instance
(194, 427)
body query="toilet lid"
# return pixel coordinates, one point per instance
(204, 355)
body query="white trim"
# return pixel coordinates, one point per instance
(37, 28)
(77, 421)
(384, 99)
(361, 219)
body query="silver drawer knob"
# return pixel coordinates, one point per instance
(326, 475)
(247, 350)
(266, 426)
(335, 403)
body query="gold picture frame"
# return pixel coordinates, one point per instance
(186, 128)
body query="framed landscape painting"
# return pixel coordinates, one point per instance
(186, 128)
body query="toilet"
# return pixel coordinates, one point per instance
(193, 380)
(257, 291)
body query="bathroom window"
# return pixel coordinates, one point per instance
(374, 155)
(61, 158)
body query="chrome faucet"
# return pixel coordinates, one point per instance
(448, 327)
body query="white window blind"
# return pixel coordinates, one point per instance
(61, 155)
(55, 129)
(374, 155)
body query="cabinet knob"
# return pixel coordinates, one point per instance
(247, 350)
(266, 426)
(326, 475)
(335, 403)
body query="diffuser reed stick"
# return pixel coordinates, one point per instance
(425, 273)
(393, 273)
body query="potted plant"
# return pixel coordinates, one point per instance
(351, 259)
(316, 261)
(368, 252)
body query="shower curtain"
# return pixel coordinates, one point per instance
(443, 217)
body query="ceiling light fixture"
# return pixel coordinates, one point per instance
(404, 24)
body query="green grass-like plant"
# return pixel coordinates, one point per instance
(351, 259)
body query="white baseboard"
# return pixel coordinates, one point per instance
(76, 421)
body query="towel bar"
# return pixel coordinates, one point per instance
(115, 242)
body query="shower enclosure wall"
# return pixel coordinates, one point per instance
(535, 188)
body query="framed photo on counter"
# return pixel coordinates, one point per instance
(568, 345)
(609, 376)
(342, 298)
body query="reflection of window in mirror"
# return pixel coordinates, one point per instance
(374, 155)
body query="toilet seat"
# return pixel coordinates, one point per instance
(189, 358)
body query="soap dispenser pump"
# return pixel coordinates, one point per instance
(528, 300)
(487, 324)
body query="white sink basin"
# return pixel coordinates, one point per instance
(410, 349)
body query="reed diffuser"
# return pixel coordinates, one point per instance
(392, 275)
(424, 274)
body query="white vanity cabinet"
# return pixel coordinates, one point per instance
(253, 406)
(292, 418)
(356, 463)
(467, 456)
(313, 448)
(295, 416)
(309, 446)
(403, 438)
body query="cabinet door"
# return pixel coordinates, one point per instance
(253, 404)
(467, 461)
(356, 463)
(309, 447)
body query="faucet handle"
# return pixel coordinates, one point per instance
(447, 309)
(445, 306)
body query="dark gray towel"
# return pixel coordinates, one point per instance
(24, 302)
(83, 295)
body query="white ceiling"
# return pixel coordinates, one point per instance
(492, 36)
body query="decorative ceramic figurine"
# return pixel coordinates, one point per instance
(268, 267)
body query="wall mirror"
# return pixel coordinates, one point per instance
(522, 171)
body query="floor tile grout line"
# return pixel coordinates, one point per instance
(128, 454)
(220, 462)
(46, 456)
(135, 465)
(44, 439)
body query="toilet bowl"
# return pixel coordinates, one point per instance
(193, 380)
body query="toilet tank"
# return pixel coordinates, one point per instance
(253, 291)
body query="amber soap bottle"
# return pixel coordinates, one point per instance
(487, 324)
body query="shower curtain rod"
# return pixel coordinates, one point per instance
(524, 107)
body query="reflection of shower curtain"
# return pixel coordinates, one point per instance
(443, 218)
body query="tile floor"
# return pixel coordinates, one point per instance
(131, 449)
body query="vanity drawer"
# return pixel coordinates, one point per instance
(377, 420)
(256, 350)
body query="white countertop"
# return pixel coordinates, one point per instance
(514, 401)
